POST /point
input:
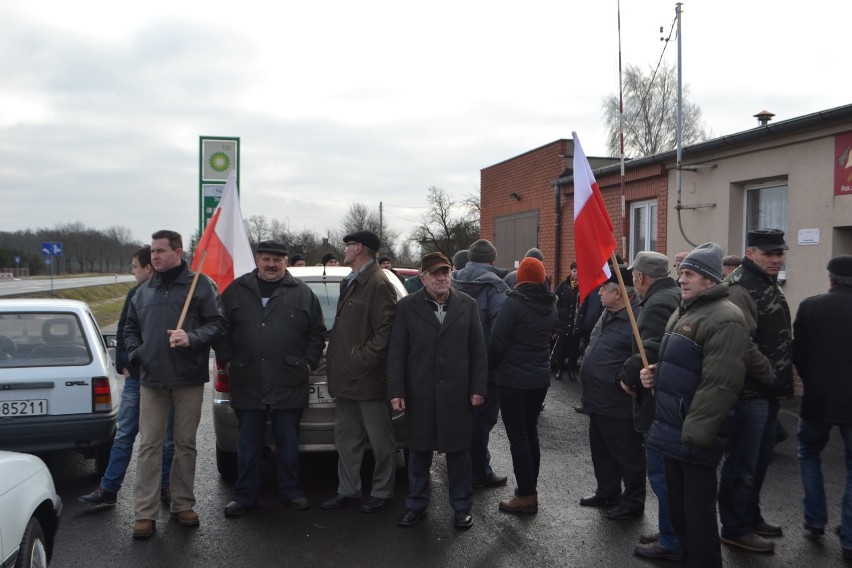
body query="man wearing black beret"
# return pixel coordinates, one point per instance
(769, 375)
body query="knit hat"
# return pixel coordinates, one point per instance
(296, 258)
(482, 251)
(460, 259)
(651, 264)
(706, 260)
(531, 269)
(383, 258)
(328, 256)
(840, 267)
(535, 253)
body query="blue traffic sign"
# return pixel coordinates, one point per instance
(51, 249)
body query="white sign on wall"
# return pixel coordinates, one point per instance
(808, 236)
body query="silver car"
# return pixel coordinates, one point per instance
(317, 426)
(58, 386)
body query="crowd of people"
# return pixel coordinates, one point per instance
(682, 377)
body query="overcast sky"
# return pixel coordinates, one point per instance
(102, 102)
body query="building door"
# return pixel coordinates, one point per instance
(514, 235)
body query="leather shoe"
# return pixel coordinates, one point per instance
(462, 519)
(767, 529)
(235, 509)
(847, 554)
(374, 504)
(655, 551)
(649, 538)
(144, 528)
(490, 481)
(579, 408)
(188, 518)
(298, 503)
(410, 518)
(751, 542)
(598, 501)
(519, 504)
(338, 501)
(814, 531)
(619, 513)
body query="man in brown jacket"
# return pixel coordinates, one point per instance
(356, 361)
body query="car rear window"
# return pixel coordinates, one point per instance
(328, 293)
(42, 340)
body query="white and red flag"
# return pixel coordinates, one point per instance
(225, 241)
(594, 241)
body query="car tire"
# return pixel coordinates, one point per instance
(33, 551)
(226, 463)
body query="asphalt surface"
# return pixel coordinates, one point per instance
(561, 534)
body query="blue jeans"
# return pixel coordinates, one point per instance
(520, 408)
(484, 420)
(745, 467)
(285, 429)
(127, 426)
(813, 437)
(657, 479)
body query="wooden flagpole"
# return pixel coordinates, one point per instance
(192, 291)
(630, 315)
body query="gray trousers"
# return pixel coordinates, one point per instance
(357, 422)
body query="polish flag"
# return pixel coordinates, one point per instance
(594, 241)
(228, 250)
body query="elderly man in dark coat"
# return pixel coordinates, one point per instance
(437, 373)
(822, 356)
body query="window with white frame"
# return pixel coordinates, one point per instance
(766, 207)
(643, 226)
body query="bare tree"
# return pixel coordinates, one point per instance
(257, 228)
(443, 227)
(361, 218)
(650, 114)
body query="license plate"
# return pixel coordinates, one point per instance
(35, 407)
(318, 394)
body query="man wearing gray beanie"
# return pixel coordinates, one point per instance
(512, 278)
(481, 280)
(460, 259)
(701, 368)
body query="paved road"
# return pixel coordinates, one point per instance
(562, 534)
(13, 287)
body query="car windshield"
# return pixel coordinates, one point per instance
(42, 340)
(327, 292)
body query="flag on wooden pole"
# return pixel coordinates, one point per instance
(225, 241)
(593, 231)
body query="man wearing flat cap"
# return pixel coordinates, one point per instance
(437, 373)
(356, 361)
(822, 356)
(276, 332)
(769, 375)
(616, 447)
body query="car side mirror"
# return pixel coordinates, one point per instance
(110, 339)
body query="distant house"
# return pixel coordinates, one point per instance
(794, 175)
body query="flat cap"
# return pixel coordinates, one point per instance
(367, 238)
(650, 263)
(434, 261)
(841, 266)
(767, 239)
(273, 247)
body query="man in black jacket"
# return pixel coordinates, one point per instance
(822, 356)
(175, 364)
(275, 334)
(660, 298)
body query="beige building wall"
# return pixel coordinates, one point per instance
(805, 163)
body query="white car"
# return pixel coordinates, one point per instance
(317, 426)
(30, 511)
(58, 385)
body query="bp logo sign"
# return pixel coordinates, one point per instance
(218, 158)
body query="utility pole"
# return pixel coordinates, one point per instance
(381, 240)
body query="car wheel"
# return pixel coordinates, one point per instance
(226, 463)
(33, 552)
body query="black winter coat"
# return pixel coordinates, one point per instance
(823, 358)
(436, 368)
(271, 348)
(519, 346)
